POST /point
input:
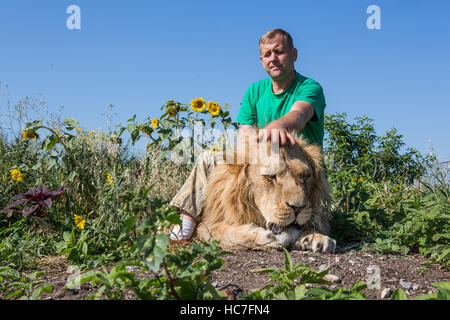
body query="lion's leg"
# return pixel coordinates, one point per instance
(289, 236)
(317, 242)
(247, 236)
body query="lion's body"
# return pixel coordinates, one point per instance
(245, 202)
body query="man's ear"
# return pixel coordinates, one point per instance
(295, 54)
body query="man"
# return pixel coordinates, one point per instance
(283, 102)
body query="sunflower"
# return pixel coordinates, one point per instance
(16, 175)
(79, 221)
(197, 104)
(172, 108)
(28, 134)
(154, 123)
(213, 108)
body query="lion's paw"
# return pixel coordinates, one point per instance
(266, 240)
(288, 236)
(317, 243)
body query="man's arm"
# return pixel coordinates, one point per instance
(301, 112)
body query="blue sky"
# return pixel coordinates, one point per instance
(137, 55)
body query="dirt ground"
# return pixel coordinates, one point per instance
(236, 277)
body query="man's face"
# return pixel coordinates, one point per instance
(276, 58)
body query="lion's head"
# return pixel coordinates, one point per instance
(271, 193)
(295, 190)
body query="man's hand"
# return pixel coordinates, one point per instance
(301, 112)
(275, 131)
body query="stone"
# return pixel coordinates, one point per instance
(386, 293)
(322, 267)
(405, 285)
(332, 278)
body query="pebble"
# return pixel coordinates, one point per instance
(406, 285)
(386, 293)
(332, 278)
(322, 267)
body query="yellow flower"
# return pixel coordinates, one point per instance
(29, 134)
(215, 148)
(154, 123)
(16, 175)
(79, 129)
(79, 221)
(360, 179)
(213, 108)
(108, 179)
(197, 104)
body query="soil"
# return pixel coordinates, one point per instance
(236, 277)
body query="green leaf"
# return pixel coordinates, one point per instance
(358, 286)
(127, 226)
(173, 217)
(444, 290)
(399, 294)
(300, 292)
(40, 290)
(153, 262)
(89, 276)
(9, 273)
(288, 261)
(84, 248)
(72, 176)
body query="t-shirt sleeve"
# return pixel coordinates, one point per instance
(247, 112)
(312, 93)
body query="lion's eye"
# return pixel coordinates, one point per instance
(306, 177)
(271, 176)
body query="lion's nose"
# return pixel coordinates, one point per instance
(296, 207)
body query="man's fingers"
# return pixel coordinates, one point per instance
(264, 135)
(291, 138)
(282, 137)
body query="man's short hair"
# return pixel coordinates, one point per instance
(269, 35)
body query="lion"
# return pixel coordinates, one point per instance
(264, 205)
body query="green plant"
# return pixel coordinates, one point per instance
(442, 294)
(284, 284)
(13, 285)
(75, 248)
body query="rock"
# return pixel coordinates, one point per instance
(332, 278)
(386, 293)
(406, 285)
(322, 267)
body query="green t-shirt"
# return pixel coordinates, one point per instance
(262, 106)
